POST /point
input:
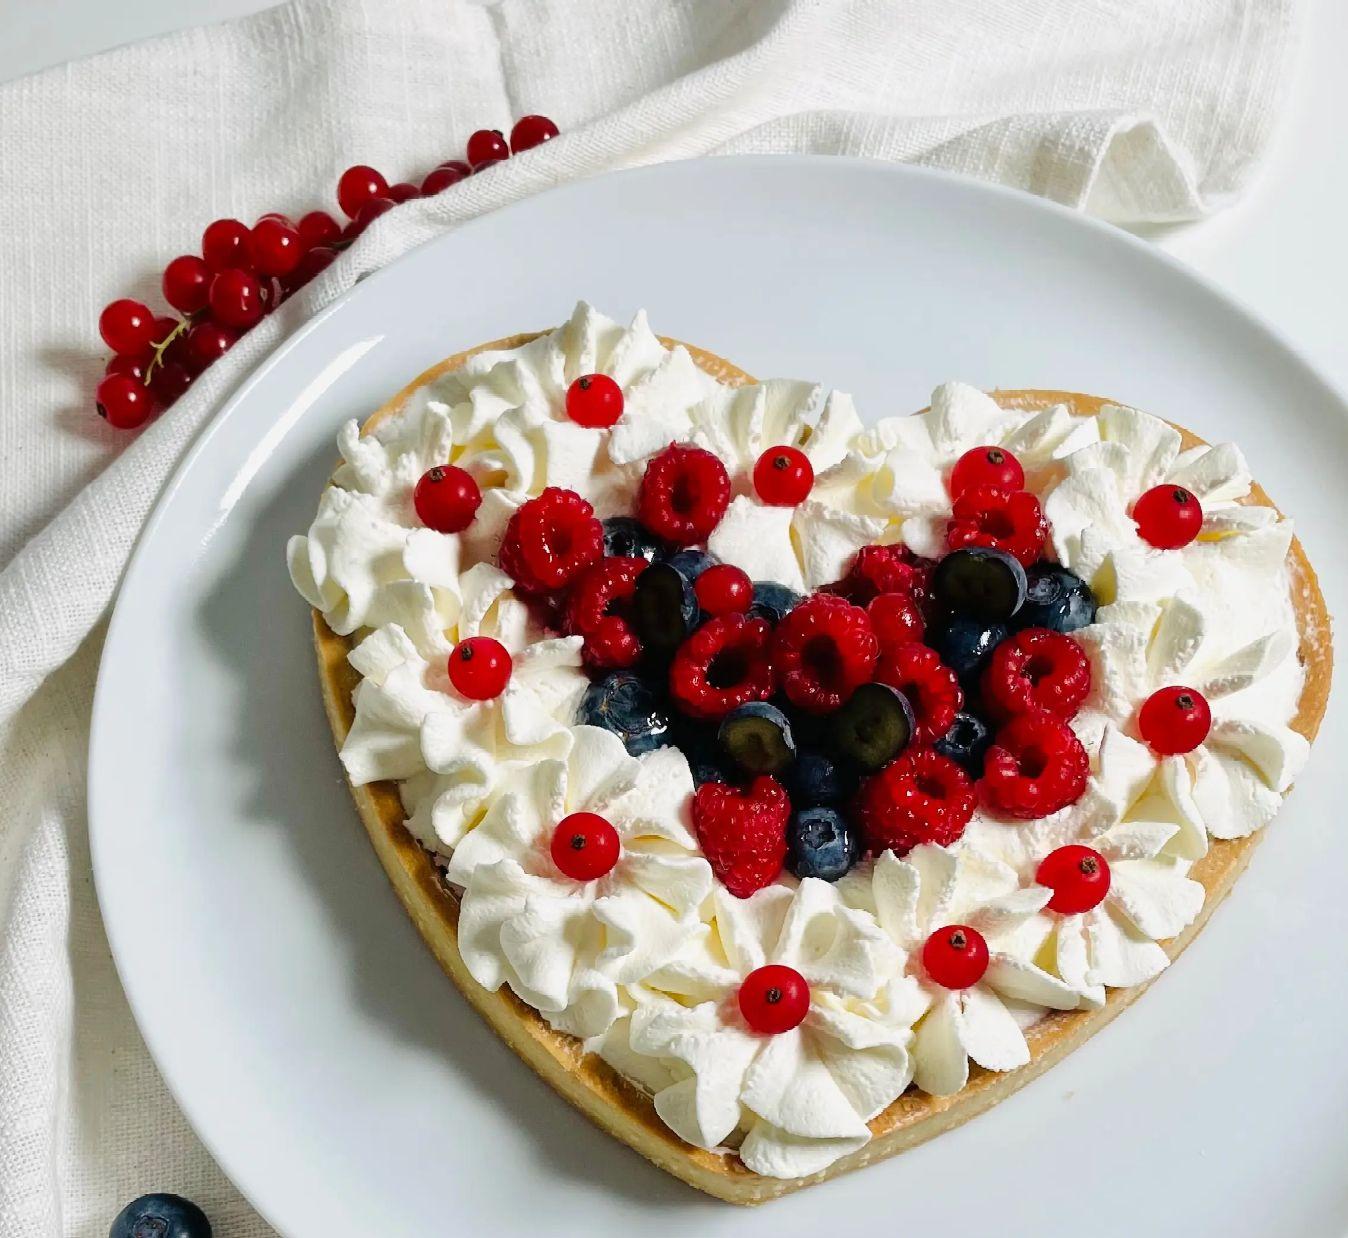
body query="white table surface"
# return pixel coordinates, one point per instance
(1281, 250)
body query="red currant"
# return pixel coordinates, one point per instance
(403, 191)
(446, 499)
(594, 400)
(224, 244)
(585, 846)
(123, 401)
(127, 326)
(187, 283)
(774, 999)
(724, 590)
(209, 341)
(1174, 720)
(370, 210)
(279, 216)
(783, 476)
(986, 466)
(487, 144)
(531, 131)
(357, 186)
(314, 263)
(955, 956)
(318, 228)
(136, 365)
(237, 299)
(1078, 877)
(1168, 517)
(169, 380)
(484, 164)
(444, 176)
(479, 668)
(275, 247)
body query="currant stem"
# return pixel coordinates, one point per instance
(184, 325)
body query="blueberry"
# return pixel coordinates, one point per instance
(627, 538)
(772, 601)
(873, 726)
(965, 645)
(981, 583)
(664, 608)
(815, 778)
(1056, 599)
(628, 706)
(160, 1216)
(690, 564)
(821, 843)
(966, 743)
(698, 742)
(757, 738)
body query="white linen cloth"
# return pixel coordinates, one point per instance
(1132, 109)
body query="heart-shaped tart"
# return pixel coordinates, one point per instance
(786, 791)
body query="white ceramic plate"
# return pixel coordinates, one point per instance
(311, 1039)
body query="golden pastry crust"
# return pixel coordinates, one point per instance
(624, 1110)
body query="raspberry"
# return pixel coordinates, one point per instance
(920, 797)
(1036, 766)
(823, 651)
(885, 569)
(597, 609)
(932, 688)
(550, 541)
(1005, 520)
(896, 619)
(684, 494)
(723, 665)
(743, 833)
(1036, 669)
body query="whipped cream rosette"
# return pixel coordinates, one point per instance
(908, 459)
(1233, 782)
(804, 546)
(928, 890)
(1095, 535)
(565, 946)
(362, 567)
(801, 1099)
(1151, 899)
(1150, 895)
(447, 752)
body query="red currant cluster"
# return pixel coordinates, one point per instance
(243, 273)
